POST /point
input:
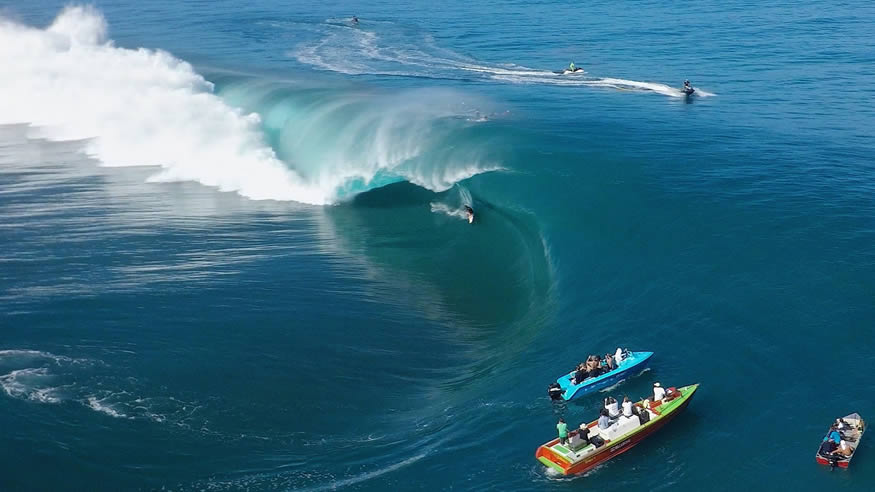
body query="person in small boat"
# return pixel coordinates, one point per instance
(571, 67)
(627, 407)
(562, 427)
(604, 419)
(687, 86)
(618, 356)
(612, 407)
(658, 392)
(833, 434)
(828, 447)
(609, 363)
(844, 448)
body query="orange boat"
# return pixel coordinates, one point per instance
(579, 455)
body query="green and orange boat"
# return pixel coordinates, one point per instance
(590, 446)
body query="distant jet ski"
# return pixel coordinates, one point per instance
(470, 213)
(570, 69)
(688, 89)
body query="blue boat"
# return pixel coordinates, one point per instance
(633, 364)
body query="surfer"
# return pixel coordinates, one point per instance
(355, 20)
(470, 214)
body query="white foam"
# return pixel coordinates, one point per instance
(30, 384)
(97, 405)
(138, 107)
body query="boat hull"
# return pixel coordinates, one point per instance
(547, 456)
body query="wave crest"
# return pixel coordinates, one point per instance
(146, 107)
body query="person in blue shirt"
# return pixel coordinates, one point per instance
(833, 434)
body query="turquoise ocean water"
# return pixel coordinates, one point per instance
(233, 253)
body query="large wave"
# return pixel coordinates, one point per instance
(146, 107)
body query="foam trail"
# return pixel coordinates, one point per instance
(388, 49)
(455, 211)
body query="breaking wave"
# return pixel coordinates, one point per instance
(261, 139)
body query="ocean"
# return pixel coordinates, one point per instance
(234, 253)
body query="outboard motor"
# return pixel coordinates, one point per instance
(555, 392)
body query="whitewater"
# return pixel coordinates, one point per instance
(142, 107)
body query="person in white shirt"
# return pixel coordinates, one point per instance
(618, 356)
(612, 407)
(627, 407)
(658, 392)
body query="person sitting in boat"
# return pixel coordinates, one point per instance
(579, 374)
(627, 406)
(562, 427)
(834, 433)
(604, 419)
(844, 449)
(658, 392)
(619, 356)
(609, 363)
(828, 447)
(612, 407)
(571, 67)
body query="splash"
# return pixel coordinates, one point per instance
(457, 208)
(146, 107)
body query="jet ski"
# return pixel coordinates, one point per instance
(576, 70)
(688, 89)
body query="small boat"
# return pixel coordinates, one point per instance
(590, 446)
(851, 429)
(632, 363)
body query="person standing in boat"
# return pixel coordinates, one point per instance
(627, 407)
(658, 392)
(612, 407)
(562, 427)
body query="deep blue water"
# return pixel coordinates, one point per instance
(241, 264)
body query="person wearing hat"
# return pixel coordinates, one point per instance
(562, 427)
(658, 392)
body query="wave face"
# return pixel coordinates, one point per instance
(146, 107)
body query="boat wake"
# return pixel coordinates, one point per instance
(259, 138)
(43, 377)
(385, 48)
